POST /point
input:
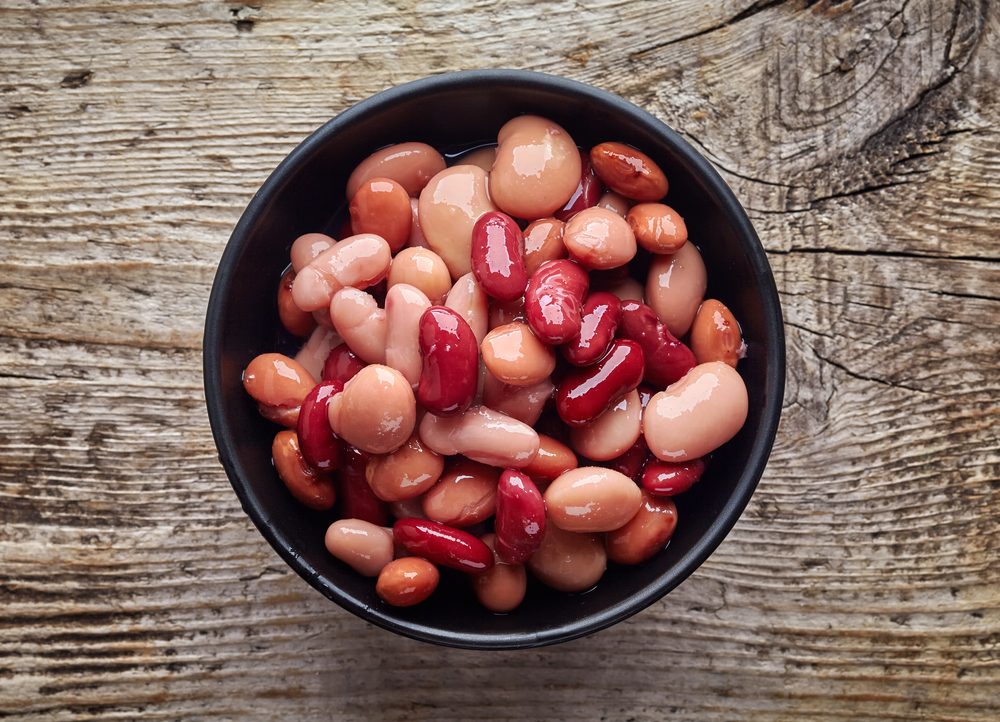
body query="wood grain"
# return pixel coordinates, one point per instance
(861, 583)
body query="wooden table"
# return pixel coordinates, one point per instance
(862, 582)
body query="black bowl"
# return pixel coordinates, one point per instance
(305, 193)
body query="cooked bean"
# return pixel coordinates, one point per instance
(524, 403)
(599, 238)
(645, 534)
(319, 445)
(417, 238)
(627, 289)
(515, 356)
(592, 499)
(553, 459)
(421, 268)
(317, 347)
(501, 588)
(715, 334)
(411, 165)
(358, 261)
(586, 393)
(404, 306)
(307, 248)
(443, 545)
(450, 371)
(537, 167)
(553, 300)
(464, 495)
(543, 241)
(632, 462)
(498, 256)
(408, 509)
(382, 207)
(450, 205)
(503, 313)
(520, 521)
(613, 202)
(363, 546)
(629, 172)
(696, 415)
(588, 191)
(405, 473)
(376, 411)
(481, 157)
(407, 581)
(667, 478)
(657, 227)
(362, 324)
(467, 299)
(309, 486)
(483, 435)
(278, 383)
(296, 321)
(612, 433)
(599, 320)
(569, 562)
(341, 364)
(666, 358)
(357, 500)
(675, 287)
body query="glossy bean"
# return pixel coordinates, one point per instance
(464, 495)
(450, 371)
(515, 356)
(357, 500)
(483, 435)
(307, 247)
(405, 473)
(310, 487)
(586, 393)
(450, 205)
(278, 383)
(553, 301)
(666, 358)
(443, 545)
(524, 403)
(404, 306)
(341, 364)
(537, 168)
(676, 286)
(569, 562)
(407, 581)
(411, 165)
(520, 521)
(598, 323)
(543, 241)
(417, 238)
(317, 347)
(613, 202)
(612, 433)
(503, 313)
(381, 206)
(592, 499)
(502, 587)
(358, 261)
(319, 445)
(376, 411)
(667, 478)
(633, 461)
(361, 323)
(469, 300)
(715, 335)
(363, 546)
(696, 415)
(553, 459)
(587, 194)
(629, 172)
(498, 256)
(626, 289)
(599, 238)
(657, 227)
(421, 268)
(481, 157)
(296, 321)
(408, 509)
(645, 534)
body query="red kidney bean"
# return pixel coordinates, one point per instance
(632, 462)
(553, 300)
(498, 256)
(450, 371)
(320, 446)
(296, 321)
(587, 393)
(667, 359)
(520, 519)
(587, 192)
(443, 545)
(341, 364)
(357, 500)
(599, 321)
(666, 478)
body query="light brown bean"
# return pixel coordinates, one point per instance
(358, 261)
(381, 206)
(309, 487)
(421, 268)
(483, 435)
(615, 203)
(675, 287)
(482, 157)
(627, 289)
(407, 581)
(361, 323)
(515, 356)
(408, 509)
(464, 495)
(715, 334)
(417, 238)
(599, 238)
(411, 165)
(657, 227)
(568, 562)
(296, 321)
(502, 587)
(363, 546)
(307, 248)
(543, 241)
(553, 459)
(278, 383)
(469, 301)
(524, 403)
(612, 433)
(645, 534)
(376, 411)
(405, 473)
(450, 205)
(592, 499)
(404, 305)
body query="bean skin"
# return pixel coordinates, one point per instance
(483, 435)
(592, 499)
(666, 358)
(341, 364)
(633, 461)
(569, 562)
(645, 534)
(612, 433)
(443, 545)
(614, 202)
(361, 323)
(405, 473)
(421, 268)
(665, 478)
(309, 487)
(498, 256)
(675, 287)
(464, 495)
(502, 588)
(363, 546)
(407, 581)
(480, 157)
(587, 194)
(376, 411)
(543, 241)
(599, 321)
(417, 238)
(515, 356)
(411, 165)
(404, 307)
(520, 517)
(278, 383)
(357, 501)
(470, 302)
(553, 459)
(450, 371)
(319, 445)
(317, 347)
(307, 247)
(503, 313)
(553, 301)
(599, 238)
(587, 393)
(296, 321)
(359, 261)
(381, 206)
(715, 334)
(524, 403)
(629, 172)
(657, 227)
(450, 205)
(626, 289)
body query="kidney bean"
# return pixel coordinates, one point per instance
(553, 300)
(357, 501)
(587, 194)
(404, 306)
(675, 287)
(376, 411)
(450, 362)
(629, 172)
(464, 495)
(715, 335)
(296, 321)
(666, 358)
(363, 546)
(520, 520)
(599, 321)
(632, 462)
(667, 478)
(613, 202)
(657, 227)
(341, 364)
(381, 206)
(405, 473)
(277, 383)
(498, 256)
(450, 205)
(359, 261)
(599, 238)
(309, 486)
(417, 238)
(480, 157)
(569, 562)
(515, 356)
(421, 268)
(362, 324)
(411, 165)
(406, 582)
(443, 545)
(483, 435)
(501, 588)
(612, 433)
(645, 534)
(470, 302)
(553, 459)
(587, 393)
(696, 415)
(537, 167)
(592, 499)
(503, 313)
(320, 447)
(524, 403)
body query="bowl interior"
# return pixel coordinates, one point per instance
(306, 194)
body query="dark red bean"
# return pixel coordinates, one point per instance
(587, 193)
(667, 359)
(450, 371)
(520, 517)
(498, 256)
(599, 321)
(341, 364)
(357, 500)
(633, 461)
(443, 545)
(553, 300)
(320, 446)
(665, 478)
(587, 393)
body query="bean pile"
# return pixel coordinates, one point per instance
(481, 367)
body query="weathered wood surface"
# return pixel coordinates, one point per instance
(863, 581)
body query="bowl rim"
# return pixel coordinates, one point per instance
(225, 438)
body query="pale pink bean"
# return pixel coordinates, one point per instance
(483, 435)
(569, 562)
(592, 499)
(696, 415)
(314, 351)
(404, 305)
(361, 323)
(450, 205)
(599, 238)
(612, 433)
(411, 165)
(482, 157)
(307, 248)
(417, 238)
(524, 403)
(376, 411)
(358, 261)
(363, 546)
(470, 302)
(676, 286)
(615, 203)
